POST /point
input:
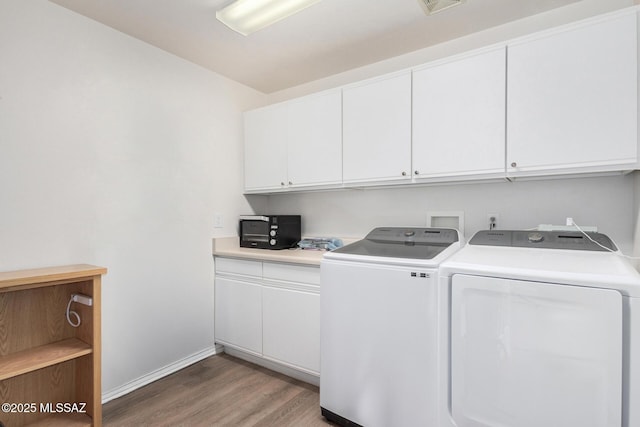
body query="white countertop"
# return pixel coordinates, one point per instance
(230, 247)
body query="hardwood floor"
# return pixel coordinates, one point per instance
(219, 391)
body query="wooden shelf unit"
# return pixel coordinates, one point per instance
(45, 361)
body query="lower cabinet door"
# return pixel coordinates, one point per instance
(238, 314)
(291, 327)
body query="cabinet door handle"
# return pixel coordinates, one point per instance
(416, 172)
(514, 164)
(282, 183)
(290, 183)
(404, 173)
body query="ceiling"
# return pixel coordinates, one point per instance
(327, 38)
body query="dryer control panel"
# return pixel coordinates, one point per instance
(574, 240)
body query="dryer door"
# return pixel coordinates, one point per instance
(532, 354)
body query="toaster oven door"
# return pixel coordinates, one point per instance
(254, 232)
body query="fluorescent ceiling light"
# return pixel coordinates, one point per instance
(247, 16)
(435, 6)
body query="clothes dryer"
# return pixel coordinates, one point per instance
(539, 329)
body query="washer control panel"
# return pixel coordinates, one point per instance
(445, 236)
(415, 243)
(574, 240)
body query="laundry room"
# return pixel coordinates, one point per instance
(151, 155)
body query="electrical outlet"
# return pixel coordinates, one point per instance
(492, 221)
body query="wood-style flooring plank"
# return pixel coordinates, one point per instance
(219, 391)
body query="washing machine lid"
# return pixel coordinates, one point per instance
(385, 244)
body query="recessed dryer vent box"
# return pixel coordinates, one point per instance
(446, 219)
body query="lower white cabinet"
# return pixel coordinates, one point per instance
(269, 310)
(239, 313)
(291, 327)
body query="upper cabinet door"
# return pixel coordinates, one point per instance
(377, 130)
(265, 148)
(315, 140)
(459, 118)
(573, 99)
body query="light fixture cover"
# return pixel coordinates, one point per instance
(248, 16)
(435, 6)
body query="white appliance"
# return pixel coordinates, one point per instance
(539, 329)
(378, 311)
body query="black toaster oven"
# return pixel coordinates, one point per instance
(269, 231)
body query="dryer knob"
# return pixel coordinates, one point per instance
(536, 237)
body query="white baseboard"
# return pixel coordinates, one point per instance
(274, 366)
(160, 373)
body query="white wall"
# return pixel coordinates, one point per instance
(115, 153)
(636, 209)
(607, 202)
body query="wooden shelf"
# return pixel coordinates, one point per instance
(40, 357)
(37, 277)
(64, 420)
(43, 359)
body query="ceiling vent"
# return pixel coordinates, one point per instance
(435, 6)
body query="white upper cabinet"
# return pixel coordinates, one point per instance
(265, 148)
(558, 102)
(315, 140)
(459, 118)
(294, 144)
(573, 99)
(377, 130)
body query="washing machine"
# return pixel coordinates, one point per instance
(379, 332)
(539, 328)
